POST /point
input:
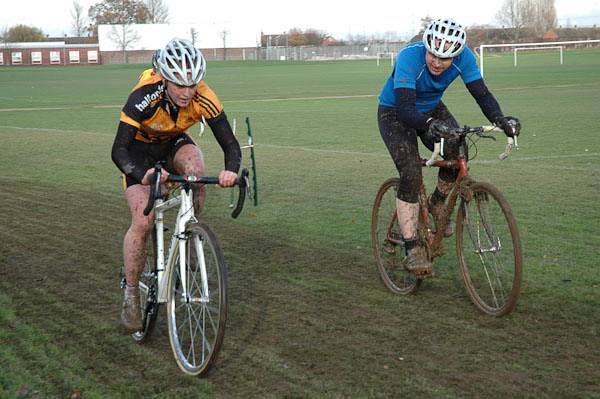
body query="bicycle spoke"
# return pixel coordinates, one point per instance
(197, 320)
(387, 242)
(489, 250)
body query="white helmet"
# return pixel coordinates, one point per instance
(442, 32)
(181, 63)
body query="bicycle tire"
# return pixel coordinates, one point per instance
(197, 324)
(387, 243)
(148, 293)
(489, 250)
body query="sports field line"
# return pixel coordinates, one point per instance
(265, 100)
(386, 155)
(328, 151)
(36, 109)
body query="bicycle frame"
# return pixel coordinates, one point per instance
(434, 241)
(184, 216)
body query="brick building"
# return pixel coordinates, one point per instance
(48, 53)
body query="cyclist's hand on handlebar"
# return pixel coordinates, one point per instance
(148, 177)
(227, 178)
(509, 124)
(437, 129)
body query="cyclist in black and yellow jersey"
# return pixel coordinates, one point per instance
(160, 109)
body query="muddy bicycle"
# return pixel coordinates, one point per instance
(191, 281)
(488, 246)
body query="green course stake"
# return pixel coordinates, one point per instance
(253, 158)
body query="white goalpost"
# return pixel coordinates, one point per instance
(384, 55)
(530, 46)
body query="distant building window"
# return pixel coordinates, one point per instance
(93, 56)
(36, 57)
(74, 57)
(17, 57)
(1, 58)
(55, 57)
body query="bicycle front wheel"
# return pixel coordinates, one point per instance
(489, 249)
(197, 301)
(387, 241)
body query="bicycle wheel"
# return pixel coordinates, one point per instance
(489, 249)
(387, 242)
(197, 320)
(148, 292)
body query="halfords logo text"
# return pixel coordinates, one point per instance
(148, 98)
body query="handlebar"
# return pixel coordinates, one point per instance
(241, 182)
(454, 134)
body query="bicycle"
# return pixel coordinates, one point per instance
(192, 281)
(488, 245)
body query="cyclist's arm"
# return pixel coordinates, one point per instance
(485, 99)
(120, 151)
(406, 107)
(224, 135)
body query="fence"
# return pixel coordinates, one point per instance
(305, 53)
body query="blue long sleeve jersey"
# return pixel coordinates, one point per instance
(414, 91)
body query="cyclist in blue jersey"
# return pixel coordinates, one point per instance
(410, 105)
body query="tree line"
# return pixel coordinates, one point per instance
(120, 12)
(538, 16)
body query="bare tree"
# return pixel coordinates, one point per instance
(123, 36)
(4, 35)
(548, 14)
(194, 36)
(425, 22)
(158, 12)
(538, 15)
(224, 34)
(79, 24)
(510, 16)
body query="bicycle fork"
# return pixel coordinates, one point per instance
(185, 252)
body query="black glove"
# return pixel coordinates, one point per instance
(509, 124)
(437, 128)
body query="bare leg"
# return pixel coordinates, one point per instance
(134, 255)
(408, 215)
(134, 244)
(416, 256)
(189, 161)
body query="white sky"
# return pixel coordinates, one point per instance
(337, 18)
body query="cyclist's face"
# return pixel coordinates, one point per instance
(437, 65)
(180, 95)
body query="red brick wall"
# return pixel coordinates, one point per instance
(64, 55)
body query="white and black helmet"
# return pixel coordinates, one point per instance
(181, 63)
(442, 32)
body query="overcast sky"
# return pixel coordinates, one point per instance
(337, 18)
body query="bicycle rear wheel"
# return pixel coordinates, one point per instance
(148, 292)
(387, 241)
(489, 249)
(197, 320)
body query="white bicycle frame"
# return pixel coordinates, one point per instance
(184, 216)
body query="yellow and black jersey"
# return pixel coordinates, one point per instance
(146, 74)
(156, 118)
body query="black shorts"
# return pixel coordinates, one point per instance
(401, 142)
(148, 154)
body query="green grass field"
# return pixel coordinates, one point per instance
(308, 315)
